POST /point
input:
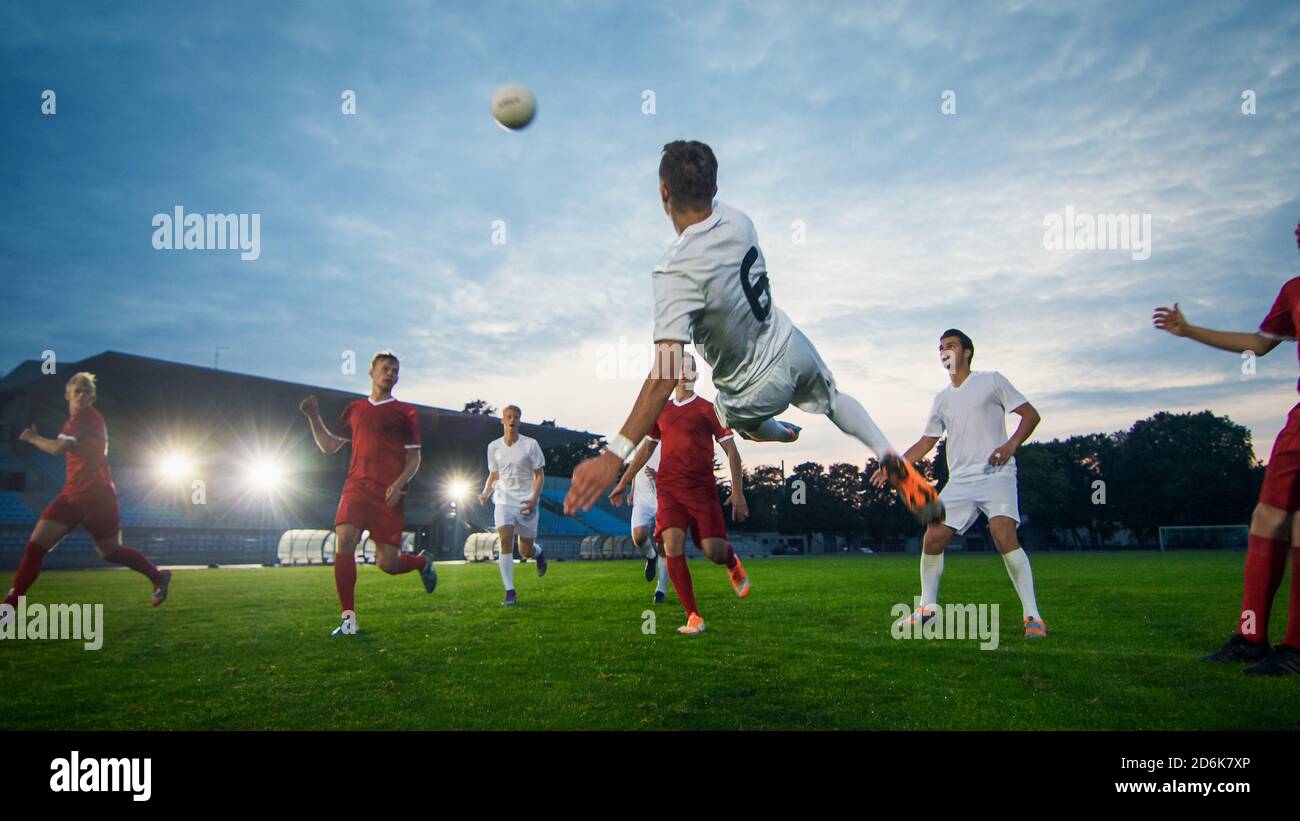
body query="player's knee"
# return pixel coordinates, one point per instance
(937, 536)
(1269, 521)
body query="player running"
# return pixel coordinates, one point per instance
(515, 479)
(88, 498)
(711, 288)
(687, 493)
(972, 411)
(642, 497)
(1274, 529)
(385, 437)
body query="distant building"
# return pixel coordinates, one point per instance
(224, 422)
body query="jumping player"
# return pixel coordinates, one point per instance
(972, 411)
(641, 495)
(515, 480)
(385, 437)
(1274, 527)
(88, 498)
(687, 493)
(711, 288)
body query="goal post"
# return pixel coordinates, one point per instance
(1204, 537)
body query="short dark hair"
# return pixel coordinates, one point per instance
(966, 344)
(384, 354)
(690, 171)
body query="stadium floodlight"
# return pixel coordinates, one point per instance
(175, 466)
(264, 473)
(458, 490)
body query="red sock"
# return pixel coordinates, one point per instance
(681, 578)
(134, 559)
(1293, 621)
(345, 580)
(731, 557)
(406, 562)
(1265, 564)
(28, 569)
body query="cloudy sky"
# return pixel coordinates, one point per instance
(884, 219)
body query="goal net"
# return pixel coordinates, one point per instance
(1204, 537)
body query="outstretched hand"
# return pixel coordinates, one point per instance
(1171, 320)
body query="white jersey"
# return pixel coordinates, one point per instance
(711, 289)
(514, 466)
(643, 487)
(974, 417)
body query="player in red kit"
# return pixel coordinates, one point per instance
(687, 493)
(385, 437)
(88, 498)
(1274, 527)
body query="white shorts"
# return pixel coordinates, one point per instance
(644, 516)
(525, 526)
(798, 378)
(992, 495)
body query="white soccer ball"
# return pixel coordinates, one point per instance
(513, 106)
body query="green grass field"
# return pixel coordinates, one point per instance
(810, 648)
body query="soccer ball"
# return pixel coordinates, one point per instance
(513, 106)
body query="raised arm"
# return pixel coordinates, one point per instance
(54, 447)
(326, 441)
(594, 475)
(1173, 321)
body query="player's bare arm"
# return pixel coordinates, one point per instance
(1173, 321)
(638, 462)
(539, 479)
(54, 447)
(913, 455)
(1029, 420)
(394, 493)
(326, 441)
(594, 475)
(739, 507)
(488, 487)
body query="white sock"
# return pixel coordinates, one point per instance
(662, 569)
(507, 563)
(537, 549)
(648, 549)
(931, 573)
(1022, 577)
(849, 416)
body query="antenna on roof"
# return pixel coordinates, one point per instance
(216, 356)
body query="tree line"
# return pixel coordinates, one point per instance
(1083, 491)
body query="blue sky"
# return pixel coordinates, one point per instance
(376, 229)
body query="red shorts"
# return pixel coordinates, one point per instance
(697, 511)
(1281, 487)
(95, 510)
(363, 507)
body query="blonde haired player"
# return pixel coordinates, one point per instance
(515, 479)
(711, 288)
(88, 498)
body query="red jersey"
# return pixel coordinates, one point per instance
(1284, 316)
(88, 456)
(687, 432)
(381, 433)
